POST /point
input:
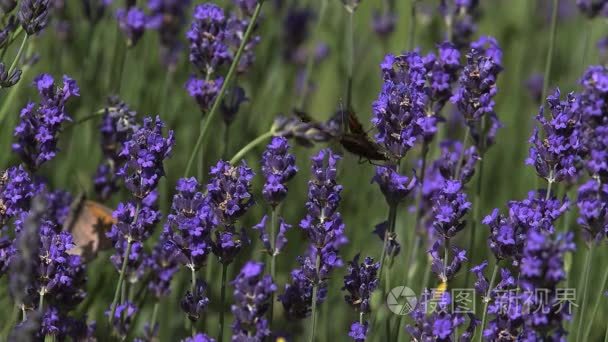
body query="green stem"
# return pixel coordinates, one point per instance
(412, 26)
(121, 278)
(18, 55)
(41, 300)
(467, 132)
(310, 58)
(350, 60)
(549, 59)
(313, 318)
(415, 241)
(220, 335)
(486, 301)
(220, 96)
(392, 215)
(476, 218)
(154, 314)
(596, 306)
(581, 312)
(273, 244)
(255, 142)
(200, 167)
(226, 141)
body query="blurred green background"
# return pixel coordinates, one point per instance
(86, 53)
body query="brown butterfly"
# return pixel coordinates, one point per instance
(88, 223)
(357, 141)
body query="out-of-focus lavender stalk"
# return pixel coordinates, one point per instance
(310, 58)
(411, 41)
(222, 92)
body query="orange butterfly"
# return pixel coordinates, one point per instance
(88, 223)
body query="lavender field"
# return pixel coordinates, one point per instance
(303, 170)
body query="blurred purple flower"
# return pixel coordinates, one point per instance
(195, 302)
(360, 282)
(123, 317)
(592, 203)
(34, 15)
(169, 17)
(394, 186)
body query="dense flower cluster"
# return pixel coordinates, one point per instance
(542, 267)
(325, 231)
(474, 96)
(557, 155)
(593, 103)
(401, 103)
(451, 155)
(592, 203)
(117, 126)
(188, 228)
(252, 293)
(450, 207)
(16, 192)
(37, 130)
(214, 38)
(229, 197)
(278, 166)
(360, 281)
(144, 154)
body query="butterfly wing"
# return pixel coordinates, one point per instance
(89, 229)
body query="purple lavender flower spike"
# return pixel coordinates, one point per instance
(401, 104)
(252, 293)
(325, 231)
(204, 91)
(278, 166)
(450, 207)
(169, 17)
(281, 239)
(34, 15)
(195, 302)
(451, 152)
(6, 80)
(542, 267)
(40, 124)
(394, 186)
(123, 317)
(592, 203)
(534, 85)
(481, 284)
(188, 228)
(505, 306)
(557, 156)
(144, 154)
(229, 191)
(358, 332)
(360, 282)
(228, 243)
(536, 213)
(592, 102)
(16, 191)
(506, 239)
(384, 23)
(438, 265)
(208, 49)
(117, 127)
(246, 6)
(133, 23)
(474, 96)
(162, 265)
(593, 8)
